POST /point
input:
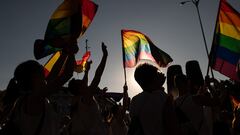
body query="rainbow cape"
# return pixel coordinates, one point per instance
(225, 52)
(137, 46)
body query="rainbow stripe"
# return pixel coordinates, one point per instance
(70, 21)
(89, 9)
(225, 52)
(49, 65)
(137, 46)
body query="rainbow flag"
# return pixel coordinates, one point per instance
(225, 52)
(81, 64)
(67, 23)
(137, 46)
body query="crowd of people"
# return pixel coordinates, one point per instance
(35, 105)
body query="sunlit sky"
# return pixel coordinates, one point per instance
(173, 28)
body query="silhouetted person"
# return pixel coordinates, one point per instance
(151, 111)
(194, 74)
(187, 123)
(236, 121)
(117, 122)
(172, 71)
(33, 114)
(192, 106)
(86, 116)
(236, 111)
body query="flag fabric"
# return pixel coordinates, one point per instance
(49, 65)
(137, 46)
(225, 52)
(67, 23)
(89, 9)
(81, 64)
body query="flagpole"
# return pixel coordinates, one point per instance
(216, 23)
(124, 59)
(196, 3)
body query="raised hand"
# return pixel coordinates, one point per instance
(104, 49)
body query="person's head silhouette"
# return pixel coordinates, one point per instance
(149, 77)
(77, 87)
(29, 76)
(181, 83)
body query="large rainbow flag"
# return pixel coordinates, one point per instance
(225, 52)
(137, 46)
(67, 23)
(70, 21)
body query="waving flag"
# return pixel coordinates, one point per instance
(81, 64)
(137, 46)
(68, 22)
(225, 52)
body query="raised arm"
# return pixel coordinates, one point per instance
(100, 68)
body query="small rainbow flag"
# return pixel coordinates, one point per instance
(225, 52)
(81, 64)
(67, 23)
(137, 46)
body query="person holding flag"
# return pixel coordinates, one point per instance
(152, 111)
(26, 100)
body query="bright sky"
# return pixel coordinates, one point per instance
(173, 28)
